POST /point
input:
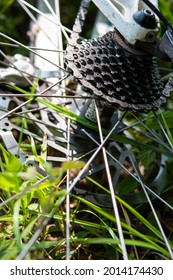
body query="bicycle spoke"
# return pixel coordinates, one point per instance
(26, 102)
(156, 137)
(31, 50)
(68, 196)
(152, 208)
(110, 183)
(42, 14)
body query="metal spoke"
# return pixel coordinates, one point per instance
(152, 207)
(68, 196)
(31, 50)
(164, 132)
(58, 23)
(156, 137)
(114, 202)
(128, 172)
(28, 101)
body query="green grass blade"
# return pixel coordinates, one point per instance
(110, 241)
(16, 224)
(141, 218)
(86, 123)
(131, 231)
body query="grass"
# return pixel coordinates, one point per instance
(33, 213)
(23, 216)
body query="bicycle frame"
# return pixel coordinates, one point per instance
(121, 14)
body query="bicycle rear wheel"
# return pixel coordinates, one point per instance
(101, 176)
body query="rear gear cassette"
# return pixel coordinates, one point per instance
(125, 80)
(122, 75)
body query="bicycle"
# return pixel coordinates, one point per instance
(77, 119)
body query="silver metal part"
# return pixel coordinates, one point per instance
(19, 73)
(120, 14)
(6, 131)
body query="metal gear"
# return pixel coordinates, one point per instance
(124, 77)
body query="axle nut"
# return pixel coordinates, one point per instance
(146, 19)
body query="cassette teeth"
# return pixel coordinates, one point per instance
(122, 76)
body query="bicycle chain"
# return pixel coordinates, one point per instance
(125, 77)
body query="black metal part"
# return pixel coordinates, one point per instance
(121, 75)
(152, 49)
(160, 48)
(166, 44)
(158, 13)
(105, 113)
(146, 19)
